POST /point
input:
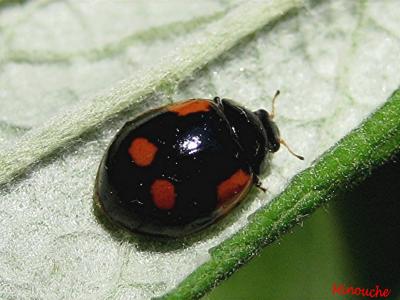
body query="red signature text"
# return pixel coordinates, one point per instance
(375, 292)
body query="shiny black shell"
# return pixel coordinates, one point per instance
(177, 169)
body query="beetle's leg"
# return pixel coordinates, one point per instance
(217, 100)
(258, 184)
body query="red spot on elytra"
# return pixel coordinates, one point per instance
(142, 151)
(231, 188)
(163, 194)
(191, 106)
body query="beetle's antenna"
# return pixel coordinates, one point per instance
(272, 114)
(282, 142)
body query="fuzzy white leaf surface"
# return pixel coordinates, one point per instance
(334, 62)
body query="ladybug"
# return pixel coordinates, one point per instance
(177, 169)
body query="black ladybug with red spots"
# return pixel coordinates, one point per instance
(177, 169)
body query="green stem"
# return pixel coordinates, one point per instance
(347, 163)
(198, 50)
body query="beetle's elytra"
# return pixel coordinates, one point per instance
(179, 168)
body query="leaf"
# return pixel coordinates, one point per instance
(335, 63)
(347, 163)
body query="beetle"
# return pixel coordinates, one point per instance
(177, 169)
